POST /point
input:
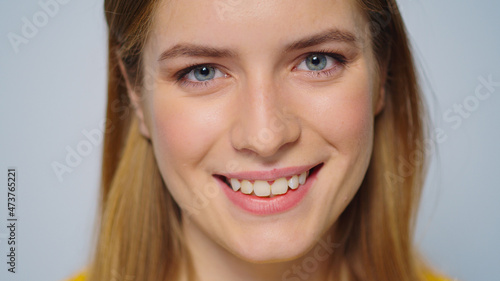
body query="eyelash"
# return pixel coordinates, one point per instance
(180, 76)
(341, 60)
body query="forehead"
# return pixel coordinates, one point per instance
(252, 23)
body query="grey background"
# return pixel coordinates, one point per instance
(53, 90)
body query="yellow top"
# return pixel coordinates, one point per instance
(81, 277)
(430, 277)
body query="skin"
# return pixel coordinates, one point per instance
(264, 110)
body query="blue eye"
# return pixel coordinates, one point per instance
(316, 62)
(203, 73)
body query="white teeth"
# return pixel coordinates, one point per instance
(261, 188)
(302, 178)
(293, 183)
(279, 186)
(235, 184)
(246, 187)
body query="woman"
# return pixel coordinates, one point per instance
(259, 140)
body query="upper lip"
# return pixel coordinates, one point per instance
(269, 175)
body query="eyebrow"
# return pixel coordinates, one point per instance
(330, 35)
(194, 50)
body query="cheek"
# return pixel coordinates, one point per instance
(183, 131)
(344, 116)
(176, 132)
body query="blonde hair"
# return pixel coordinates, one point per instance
(140, 228)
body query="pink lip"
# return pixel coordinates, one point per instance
(269, 175)
(269, 205)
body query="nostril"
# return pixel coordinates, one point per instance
(266, 134)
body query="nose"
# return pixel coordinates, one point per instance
(265, 124)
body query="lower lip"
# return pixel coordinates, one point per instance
(269, 205)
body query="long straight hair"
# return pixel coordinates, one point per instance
(140, 235)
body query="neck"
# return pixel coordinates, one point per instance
(210, 261)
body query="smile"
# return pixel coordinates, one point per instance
(264, 188)
(269, 192)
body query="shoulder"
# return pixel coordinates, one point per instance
(79, 277)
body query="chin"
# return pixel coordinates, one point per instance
(266, 249)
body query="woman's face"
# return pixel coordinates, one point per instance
(254, 94)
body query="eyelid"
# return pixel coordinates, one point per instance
(336, 57)
(181, 76)
(340, 62)
(185, 71)
(190, 74)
